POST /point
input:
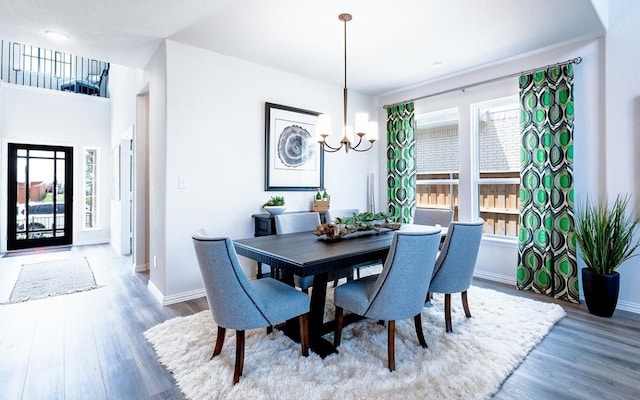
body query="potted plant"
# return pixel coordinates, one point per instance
(605, 236)
(275, 205)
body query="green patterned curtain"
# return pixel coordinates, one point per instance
(547, 248)
(401, 162)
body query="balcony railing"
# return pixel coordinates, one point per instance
(27, 65)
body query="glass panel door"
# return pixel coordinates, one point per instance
(40, 196)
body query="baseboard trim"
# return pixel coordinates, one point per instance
(628, 306)
(185, 296)
(506, 279)
(140, 267)
(174, 298)
(157, 294)
(509, 280)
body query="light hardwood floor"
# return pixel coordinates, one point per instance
(90, 345)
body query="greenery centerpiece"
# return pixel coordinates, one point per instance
(365, 221)
(605, 236)
(275, 205)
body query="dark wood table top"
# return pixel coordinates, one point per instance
(305, 254)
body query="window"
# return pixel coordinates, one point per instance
(497, 174)
(48, 62)
(437, 155)
(91, 188)
(490, 170)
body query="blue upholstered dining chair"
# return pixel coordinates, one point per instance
(296, 222)
(455, 264)
(433, 216)
(238, 303)
(302, 222)
(398, 292)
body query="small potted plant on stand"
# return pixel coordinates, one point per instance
(275, 205)
(605, 236)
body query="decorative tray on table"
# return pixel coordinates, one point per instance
(358, 223)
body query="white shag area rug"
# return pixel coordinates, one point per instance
(470, 363)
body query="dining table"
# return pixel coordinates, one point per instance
(305, 254)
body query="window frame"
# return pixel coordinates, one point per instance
(498, 103)
(441, 118)
(96, 182)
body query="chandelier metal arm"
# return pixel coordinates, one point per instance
(347, 146)
(356, 147)
(332, 149)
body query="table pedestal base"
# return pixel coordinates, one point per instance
(317, 328)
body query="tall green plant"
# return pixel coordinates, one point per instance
(605, 233)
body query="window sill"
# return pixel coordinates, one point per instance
(504, 241)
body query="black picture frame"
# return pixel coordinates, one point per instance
(294, 160)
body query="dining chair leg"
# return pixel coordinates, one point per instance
(418, 323)
(429, 297)
(304, 333)
(219, 341)
(391, 350)
(338, 332)
(465, 305)
(237, 372)
(447, 311)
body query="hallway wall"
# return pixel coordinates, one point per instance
(42, 116)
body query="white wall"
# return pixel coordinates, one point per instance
(42, 116)
(157, 77)
(124, 85)
(621, 133)
(215, 132)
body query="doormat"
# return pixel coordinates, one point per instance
(28, 252)
(52, 278)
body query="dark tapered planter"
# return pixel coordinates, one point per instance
(600, 292)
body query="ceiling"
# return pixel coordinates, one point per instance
(391, 45)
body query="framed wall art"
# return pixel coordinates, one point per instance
(294, 160)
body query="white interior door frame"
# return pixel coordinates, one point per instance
(141, 257)
(126, 191)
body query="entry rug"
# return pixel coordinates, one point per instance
(470, 363)
(52, 278)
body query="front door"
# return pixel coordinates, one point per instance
(40, 196)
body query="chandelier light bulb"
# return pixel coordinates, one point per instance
(362, 120)
(372, 131)
(323, 128)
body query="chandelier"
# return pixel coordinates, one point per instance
(363, 127)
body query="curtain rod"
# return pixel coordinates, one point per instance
(576, 60)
